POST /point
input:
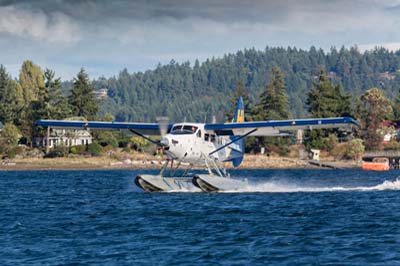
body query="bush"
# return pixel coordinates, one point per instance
(73, 150)
(11, 133)
(339, 151)
(94, 148)
(126, 149)
(330, 142)
(123, 141)
(77, 149)
(57, 152)
(106, 138)
(392, 145)
(11, 154)
(138, 143)
(19, 150)
(352, 149)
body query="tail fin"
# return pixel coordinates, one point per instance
(238, 150)
(239, 111)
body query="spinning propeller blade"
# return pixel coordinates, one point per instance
(163, 122)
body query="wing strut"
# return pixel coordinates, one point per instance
(143, 136)
(234, 140)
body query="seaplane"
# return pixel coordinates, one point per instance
(208, 145)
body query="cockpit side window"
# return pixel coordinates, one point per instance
(183, 130)
(199, 134)
(190, 128)
(176, 128)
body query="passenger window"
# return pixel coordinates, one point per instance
(212, 138)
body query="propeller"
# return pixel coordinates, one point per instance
(163, 123)
(163, 143)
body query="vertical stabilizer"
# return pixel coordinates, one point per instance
(239, 111)
(238, 149)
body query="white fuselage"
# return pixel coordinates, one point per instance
(191, 143)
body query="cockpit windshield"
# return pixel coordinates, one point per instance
(183, 130)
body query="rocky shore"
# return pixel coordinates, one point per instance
(141, 161)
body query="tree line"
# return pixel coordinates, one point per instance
(276, 83)
(38, 94)
(325, 99)
(199, 91)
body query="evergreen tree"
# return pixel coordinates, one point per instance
(327, 100)
(396, 106)
(240, 90)
(373, 108)
(11, 101)
(50, 103)
(82, 99)
(273, 103)
(57, 103)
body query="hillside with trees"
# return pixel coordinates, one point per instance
(276, 83)
(201, 91)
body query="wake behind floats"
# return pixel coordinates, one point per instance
(206, 144)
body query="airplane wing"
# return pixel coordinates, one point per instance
(141, 128)
(277, 127)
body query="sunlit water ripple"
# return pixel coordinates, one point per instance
(284, 217)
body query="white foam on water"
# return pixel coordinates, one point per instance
(184, 190)
(276, 187)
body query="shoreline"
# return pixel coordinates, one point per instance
(139, 161)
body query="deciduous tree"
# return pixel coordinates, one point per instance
(373, 108)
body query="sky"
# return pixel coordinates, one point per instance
(106, 36)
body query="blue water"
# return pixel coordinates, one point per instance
(297, 217)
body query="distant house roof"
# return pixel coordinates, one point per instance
(101, 94)
(391, 123)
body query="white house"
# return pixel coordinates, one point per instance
(67, 137)
(101, 94)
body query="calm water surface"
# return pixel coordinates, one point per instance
(285, 217)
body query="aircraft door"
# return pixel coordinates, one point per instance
(197, 142)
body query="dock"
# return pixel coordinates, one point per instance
(334, 165)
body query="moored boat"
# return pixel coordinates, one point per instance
(377, 164)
